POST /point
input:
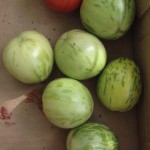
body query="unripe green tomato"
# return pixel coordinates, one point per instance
(79, 54)
(67, 103)
(29, 57)
(92, 136)
(108, 19)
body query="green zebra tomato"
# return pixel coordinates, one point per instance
(29, 57)
(92, 136)
(67, 103)
(120, 85)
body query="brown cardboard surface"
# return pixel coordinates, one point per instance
(142, 53)
(28, 129)
(142, 7)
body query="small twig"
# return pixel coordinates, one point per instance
(7, 107)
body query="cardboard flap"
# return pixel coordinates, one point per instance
(142, 53)
(142, 7)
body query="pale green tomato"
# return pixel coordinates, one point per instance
(108, 19)
(79, 54)
(67, 103)
(29, 57)
(92, 136)
(119, 86)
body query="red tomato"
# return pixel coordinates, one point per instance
(63, 5)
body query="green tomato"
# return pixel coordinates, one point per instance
(67, 103)
(29, 57)
(109, 19)
(80, 55)
(120, 85)
(92, 136)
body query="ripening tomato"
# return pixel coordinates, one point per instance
(63, 5)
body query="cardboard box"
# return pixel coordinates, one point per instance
(28, 129)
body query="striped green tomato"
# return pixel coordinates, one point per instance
(92, 136)
(108, 19)
(67, 103)
(29, 57)
(79, 54)
(119, 86)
